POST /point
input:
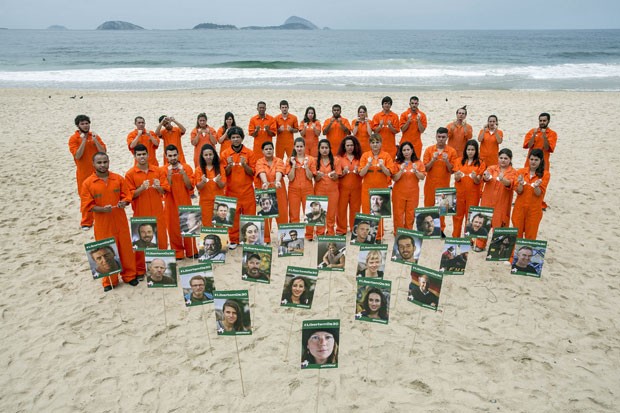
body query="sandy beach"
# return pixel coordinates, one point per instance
(499, 342)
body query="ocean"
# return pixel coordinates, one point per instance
(577, 60)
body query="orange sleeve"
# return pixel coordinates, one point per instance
(364, 159)
(260, 167)
(428, 155)
(130, 138)
(223, 159)
(375, 121)
(272, 125)
(337, 165)
(295, 122)
(423, 119)
(87, 202)
(552, 137)
(126, 194)
(545, 181)
(403, 118)
(131, 184)
(163, 180)
(347, 124)
(527, 138)
(279, 165)
(190, 174)
(324, 125)
(252, 125)
(395, 121)
(312, 164)
(452, 155)
(421, 167)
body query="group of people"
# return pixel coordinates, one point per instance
(344, 165)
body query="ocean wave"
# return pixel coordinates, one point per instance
(276, 64)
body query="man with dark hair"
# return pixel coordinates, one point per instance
(439, 160)
(262, 127)
(361, 233)
(105, 260)
(212, 249)
(540, 138)
(143, 136)
(426, 224)
(413, 124)
(459, 131)
(317, 214)
(252, 268)
(266, 204)
(178, 174)
(83, 145)
(221, 215)
(171, 134)
(406, 248)
(198, 295)
(476, 229)
(386, 124)
(286, 125)
(336, 128)
(146, 233)
(106, 194)
(524, 257)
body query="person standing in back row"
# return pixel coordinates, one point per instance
(459, 131)
(413, 124)
(336, 128)
(262, 128)
(286, 126)
(171, 134)
(143, 136)
(386, 124)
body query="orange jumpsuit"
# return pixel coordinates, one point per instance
(284, 141)
(438, 175)
(240, 185)
(362, 134)
(262, 136)
(467, 193)
(499, 196)
(489, 147)
(328, 187)
(389, 138)
(172, 137)
(335, 134)
(208, 192)
(527, 212)
(204, 138)
(298, 189)
(148, 204)
(552, 137)
(224, 145)
(458, 135)
(97, 192)
(412, 134)
(177, 196)
(375, 179)
(84, 166)
(349, 194)
(311, 139)
(144, 140)
(406, 195)
(277, 165)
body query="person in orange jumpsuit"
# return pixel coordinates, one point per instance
(349, 184)
(406, 190)
(222, 136)
(143, 136)
(497, 192)
(300, 170)
(468, 171)
(459, 131)
(386, 124)
(83, 145)
(270, 172)
(328, 172)
(336, 128)
(239, 165)
(286, 126)
(439, 160)
(530, 186)
(200, 135)
(179, 176)
(376, 169)
(490, 137)
(147, 185)
(210, 180)
(362, 128)
(542, 138)
(413, 123)
(310, 130)
(171, 135)
(262, 127)
(106, 194)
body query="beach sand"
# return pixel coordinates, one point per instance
(499, 342)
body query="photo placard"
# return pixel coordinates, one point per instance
(232, 313)
(224, 209)
(316, 210)
(320, 340)
(251, 228)
(190, 219)
(213, 244)
(407, 246)
(380, 202)
(365, 229)
(454, 256)
(479, 222)
(256, 264)
(143, 233)
(529, 257)
(266, 203)
(445, 200)
(373, 300)
(161, 268)
(425, 287)
(427, 222)
(198, 284)
(299, 286)
(103, 258)
(502, 244)
(371, 260)
(291, 239)
(332, 251)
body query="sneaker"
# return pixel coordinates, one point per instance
(232, 246)
(107, 288)
(86, 228)
(134, 282)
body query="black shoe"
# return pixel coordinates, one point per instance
(107, 288)
(134, 282)
(195, 256)
(443, 235)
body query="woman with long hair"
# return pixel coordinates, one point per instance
(310, 130)
(498, 188)
(209, 180)
(530, 186)
(201, 134)
(221, 135)
(468, 172)
(297, 291)
(232, 319)
(406, 189)
(362, 128)
(375, 304)
(349, 184)
(321, 347)
(490, 137)
(328, 171)
(300, 171)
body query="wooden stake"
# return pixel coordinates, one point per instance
(240, 371)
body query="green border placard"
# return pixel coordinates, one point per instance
(315, 198)
(410, 232)
(437, 276)
(342, 239)
(238, 295)
(310, 273)
(493, 252)
(197, 269)
(258, 221)
(374, 223)
(534, 244)
(220, 231)
(382, 191)
(232, 204)
(314, 325)
(262, 250)
(488, 213)
(143, 220)
(460, 242)
(107, 242)
(383, 285)
(451, 191)
(272, 193)
(297, 226)
(190, 208)
(427, 210)
(152, 253)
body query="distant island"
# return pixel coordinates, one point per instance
(56, 27)
(292, 23)
(119, 25)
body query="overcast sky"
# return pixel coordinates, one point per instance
(360, 14)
